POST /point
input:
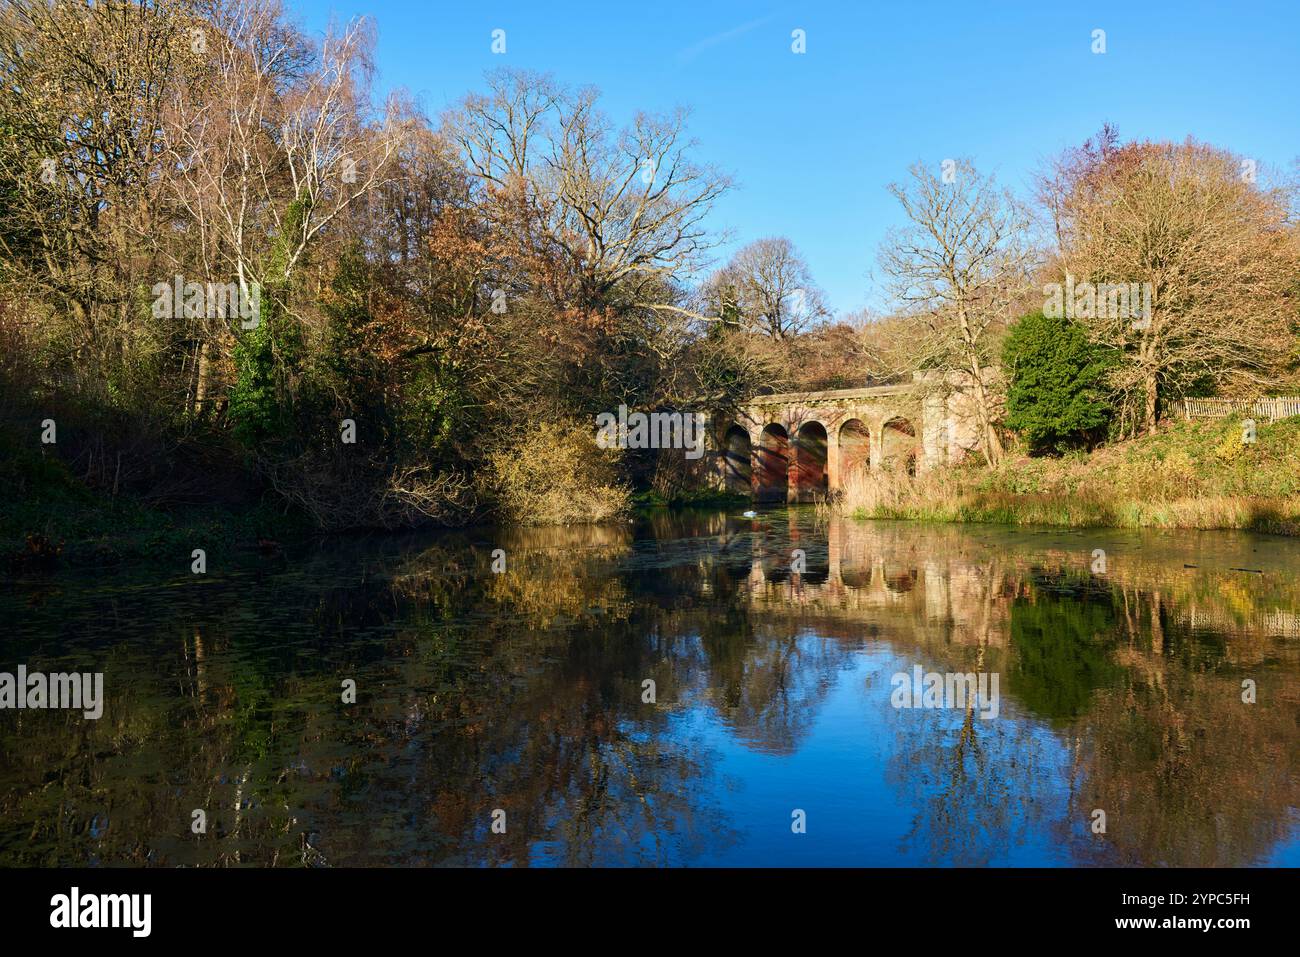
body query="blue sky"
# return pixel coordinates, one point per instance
(814, 139)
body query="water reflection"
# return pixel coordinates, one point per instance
(527, 690)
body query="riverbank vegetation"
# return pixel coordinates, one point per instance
(1187, 475)
(231, 275)
(234, 277)
(1170, 271)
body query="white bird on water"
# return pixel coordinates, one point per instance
(750, 514)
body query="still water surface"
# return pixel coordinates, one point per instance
(524, 691)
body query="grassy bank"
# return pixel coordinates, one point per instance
(1188, 475)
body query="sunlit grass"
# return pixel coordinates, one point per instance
(1190, 475)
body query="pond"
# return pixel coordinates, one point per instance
(692, 688)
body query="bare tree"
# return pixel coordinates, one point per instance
(277, 139)
(1076, 169)
(880, 345)
(768, 288)
(1217, 255)
(82, 103)
(618, 215)
(957, 267)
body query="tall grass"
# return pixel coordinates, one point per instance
(1192, 475)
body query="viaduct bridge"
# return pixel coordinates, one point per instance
(805, 446)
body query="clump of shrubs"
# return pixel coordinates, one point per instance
(554, 474)
(1057, 397)
(1233, 446)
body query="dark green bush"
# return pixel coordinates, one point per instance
(1056, 396)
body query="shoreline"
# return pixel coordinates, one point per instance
(1262, 515)
(223, 532)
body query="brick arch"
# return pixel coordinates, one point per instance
(854, 443)
(737, 450)
(771, 468)
(810, 478)
(900, 443)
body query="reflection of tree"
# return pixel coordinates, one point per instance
(523, 691)
(1062, 653)
(979, 787)
(1138, 672)
(769, 682)
(475, 692)
(1187, 773)
(574, 757)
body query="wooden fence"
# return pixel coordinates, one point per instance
(1270, 409)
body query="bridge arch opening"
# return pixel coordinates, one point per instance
(776, 568)
(856, 575)
(811, 477)
(773, 464)
(898, 448)
(855, 451)
(737, 465)
(900, 581)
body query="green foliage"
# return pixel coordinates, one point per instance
(433, 407)
(1056, 396)
(705, 498)
(725, 375)
(32, 476)
(346, 376)
(1061, 650)
(255, 405)
(352, 368)
(269, 355)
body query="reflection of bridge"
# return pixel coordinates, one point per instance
(868, 572)
(801, 446)
(854, 574)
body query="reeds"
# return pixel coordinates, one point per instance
(961, 495)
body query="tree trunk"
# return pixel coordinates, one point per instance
(1150, 389)
(1149, 404)
(993, 450)
(992, 443)
(204, 375)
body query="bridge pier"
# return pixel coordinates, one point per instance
(833, 478)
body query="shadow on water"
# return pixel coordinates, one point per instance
(527, 690)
